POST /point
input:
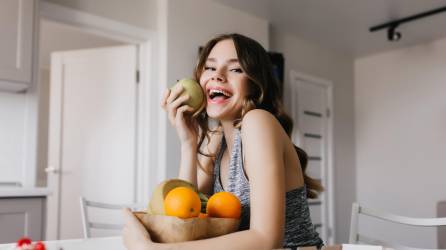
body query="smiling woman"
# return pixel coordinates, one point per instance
(244, 97)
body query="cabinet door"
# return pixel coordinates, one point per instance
(16, 29)
(21, 217)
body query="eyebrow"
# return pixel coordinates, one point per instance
(230, 60)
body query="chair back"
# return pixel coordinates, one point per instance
(88, 224)
(356, 237)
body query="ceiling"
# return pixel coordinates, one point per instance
(343, 25)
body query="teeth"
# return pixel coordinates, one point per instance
(218, 91)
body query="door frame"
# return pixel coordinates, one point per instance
(147, 95)
(330, 163)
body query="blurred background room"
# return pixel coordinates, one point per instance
(81, 82)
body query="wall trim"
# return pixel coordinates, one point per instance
(91, 23)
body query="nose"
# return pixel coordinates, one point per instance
(218, 76)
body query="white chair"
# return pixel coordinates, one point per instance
(356, 237)
(87, 224)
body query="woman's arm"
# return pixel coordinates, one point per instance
(188, 163)
(135, 237)
(263, 149)
(190, 160)
(243, 240)
(205, 172)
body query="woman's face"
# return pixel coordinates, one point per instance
(224, 82)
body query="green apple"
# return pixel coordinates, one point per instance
(194, 90)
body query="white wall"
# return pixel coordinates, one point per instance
(12, 137)
(190, 24)
(400, 100)
(308, 58)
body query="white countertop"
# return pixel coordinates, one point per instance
(115, 243)
(109, 243)
(23, 192)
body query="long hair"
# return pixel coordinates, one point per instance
(264, 93)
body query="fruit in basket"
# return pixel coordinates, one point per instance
(174, 213)
(224, 205)
(204, 201)
(182, 202)
(156, 203)
(195, 92)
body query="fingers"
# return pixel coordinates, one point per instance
(164, 99)
(174, 106)
(174, 93)
(180, 113)
(128, 215)
(172, 99)
(171, 94)
(134, 234)
(131, 222)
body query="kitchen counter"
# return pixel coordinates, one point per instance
(109, 243)
(115, 243)
(22, 211)
(12, 192)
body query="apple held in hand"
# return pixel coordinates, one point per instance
(194, 90)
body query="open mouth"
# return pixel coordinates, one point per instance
(219, 94)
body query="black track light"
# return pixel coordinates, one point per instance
(392, 34)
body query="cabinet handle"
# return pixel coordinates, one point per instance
(51, 169)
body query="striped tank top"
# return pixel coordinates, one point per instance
(299, 230)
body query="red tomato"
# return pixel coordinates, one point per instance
(39, 246)
(24, 240)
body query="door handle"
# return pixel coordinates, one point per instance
(51, 169)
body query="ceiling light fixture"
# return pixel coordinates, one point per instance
(393, 34)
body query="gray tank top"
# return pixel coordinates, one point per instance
(299, 230)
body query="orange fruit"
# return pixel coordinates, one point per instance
(224, 205)
(182, 202)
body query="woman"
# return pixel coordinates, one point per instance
(266, 172)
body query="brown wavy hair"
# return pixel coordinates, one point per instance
(264, 93)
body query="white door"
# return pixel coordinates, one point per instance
(92, 134)
(310, 100)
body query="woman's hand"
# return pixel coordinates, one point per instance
(134, 234)
(186, 126)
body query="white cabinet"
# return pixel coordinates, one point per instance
(21, 216)
(16, 43)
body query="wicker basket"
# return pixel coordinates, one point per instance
(167, 229)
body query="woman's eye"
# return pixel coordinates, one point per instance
(237, 70)
(209, 68)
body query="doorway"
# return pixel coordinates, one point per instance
(91, 117)
(55, 36)
(312, 111)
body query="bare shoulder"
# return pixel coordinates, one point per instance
(260, 127)
(260, 121)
